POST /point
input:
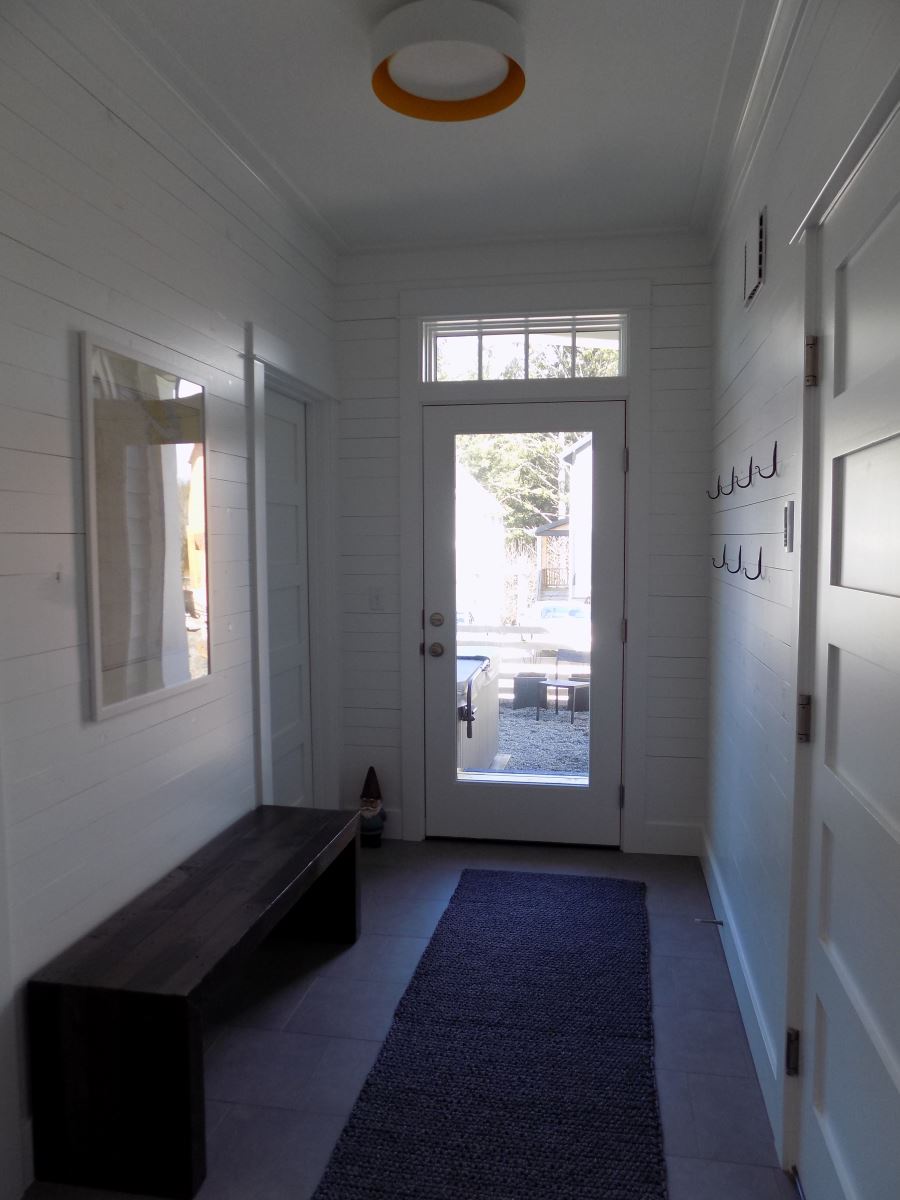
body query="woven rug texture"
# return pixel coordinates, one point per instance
(519, 1065)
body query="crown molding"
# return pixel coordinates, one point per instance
(784, 30)
(750, 29)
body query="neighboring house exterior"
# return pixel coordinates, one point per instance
(480, 552)
(552, 555)
(579, 458)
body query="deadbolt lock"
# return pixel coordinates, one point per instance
(436, 618)
(435, 649)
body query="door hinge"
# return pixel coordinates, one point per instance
(624, 629)
(792, 1052)
(811, 360)
(804, 717)
(625, 460)
(621, 795)
(421, 647)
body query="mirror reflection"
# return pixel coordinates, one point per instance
(148, 504)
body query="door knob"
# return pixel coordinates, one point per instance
(435, 649)
(436, 618)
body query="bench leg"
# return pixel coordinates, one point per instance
(117, 1090)
(337, 908)
(329, 911)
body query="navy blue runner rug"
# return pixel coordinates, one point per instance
(520, 1062)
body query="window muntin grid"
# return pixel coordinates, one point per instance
(474, 349)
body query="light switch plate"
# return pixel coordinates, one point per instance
(789, 527)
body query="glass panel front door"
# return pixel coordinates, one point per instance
(524, 586)
(523, 521)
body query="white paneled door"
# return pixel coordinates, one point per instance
(850, 1131)
(288, 592)
(523, 620)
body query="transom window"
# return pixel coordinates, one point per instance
(523, 347)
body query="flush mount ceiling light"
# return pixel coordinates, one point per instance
(448, 60)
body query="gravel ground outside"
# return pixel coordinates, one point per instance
(550, 746)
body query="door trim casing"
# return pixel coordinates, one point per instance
(631, 297)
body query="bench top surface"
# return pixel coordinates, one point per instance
(170, 938)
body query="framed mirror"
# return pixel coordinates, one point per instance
(145, 509)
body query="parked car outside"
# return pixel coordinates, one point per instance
(567, 624)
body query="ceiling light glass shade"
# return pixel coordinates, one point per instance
(448, 60)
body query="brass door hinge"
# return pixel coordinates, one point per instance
(792, 1052)
(804, 717)
(811, 360)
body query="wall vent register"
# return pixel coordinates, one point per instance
(755, 249)
(582, 346)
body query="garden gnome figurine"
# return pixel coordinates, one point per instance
(371, 810)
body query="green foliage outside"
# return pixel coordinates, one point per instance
(523, 471)
(546, 362)
(555, 362)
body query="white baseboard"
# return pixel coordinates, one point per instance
(664, 837)
(393, 826)
(764, 1048)
(654, 838)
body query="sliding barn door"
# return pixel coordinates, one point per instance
(850, 1066)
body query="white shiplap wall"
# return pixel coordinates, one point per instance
(668, 801)
(839, 56)
(121, 214)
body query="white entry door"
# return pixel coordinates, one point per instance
(288, 599)
(850, 1124)
(524, 598)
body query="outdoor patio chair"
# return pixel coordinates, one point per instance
(576, 686)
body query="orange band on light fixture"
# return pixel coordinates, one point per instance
(410, 105)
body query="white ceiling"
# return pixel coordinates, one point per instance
(624, 127)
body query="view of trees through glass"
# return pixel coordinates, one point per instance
(574, 347)
(526, 472)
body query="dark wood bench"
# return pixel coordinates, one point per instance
(116, 1022)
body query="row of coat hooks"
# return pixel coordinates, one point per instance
(736, 479)
(740, 566)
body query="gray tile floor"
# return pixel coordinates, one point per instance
(293, 1043)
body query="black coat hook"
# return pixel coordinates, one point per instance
(764, 475)
(749, 476)
(738, 567)
(731, 489)
(718, 490)
(720, 565)
(758, 567)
